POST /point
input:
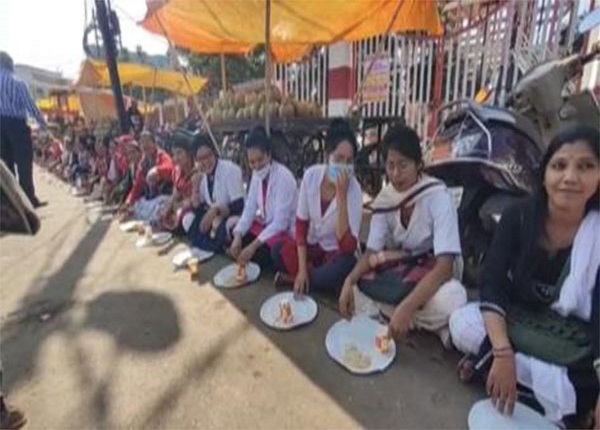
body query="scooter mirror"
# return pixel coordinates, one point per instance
(589, 22)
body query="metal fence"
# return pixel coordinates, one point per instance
(306, 80)
(487, 44)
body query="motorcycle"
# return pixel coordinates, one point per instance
(489, 156)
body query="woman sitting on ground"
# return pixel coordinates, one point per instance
(180, 203)
(327, 220)
(537, 323)
(97, 181)
(133, 157)
(270, 206)
(413, 246)
(84, 165)
(153, 182)
(117, 167)
(218, 199)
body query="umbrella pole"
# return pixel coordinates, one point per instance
(205, 122)
(268, 66)
(145, 100)
(223, 73)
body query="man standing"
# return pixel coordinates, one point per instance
(16, 148)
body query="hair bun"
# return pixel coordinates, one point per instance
(340, 130)
(258, 138)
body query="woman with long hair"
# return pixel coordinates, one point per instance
(537, 323)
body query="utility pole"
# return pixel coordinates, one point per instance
(110, 54)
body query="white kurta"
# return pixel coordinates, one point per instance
(228, 184)
(433, 226)
(277, 213)
(322, 226)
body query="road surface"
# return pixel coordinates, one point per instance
(98, 334)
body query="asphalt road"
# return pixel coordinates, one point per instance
(98, 334)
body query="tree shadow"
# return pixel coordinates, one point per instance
(419, 390)
(139, 320)
(28, 327)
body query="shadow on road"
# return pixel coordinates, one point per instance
(42, 314)
(419, 390)
(139, 320)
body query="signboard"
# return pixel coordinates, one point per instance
(377, 83)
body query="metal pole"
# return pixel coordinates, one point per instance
(189, 86)
(268, 66)
(223, 73)
(111, 63)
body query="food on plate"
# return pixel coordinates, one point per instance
(285, 312)
(193, 265)
(354, 358)
(240, 276)
(140, 229)
(382, 343)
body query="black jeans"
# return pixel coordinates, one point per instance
(16, 149)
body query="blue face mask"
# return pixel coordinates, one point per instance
(334, 170)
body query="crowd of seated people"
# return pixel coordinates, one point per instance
(542, 265)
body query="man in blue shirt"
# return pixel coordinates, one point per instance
(16, 148)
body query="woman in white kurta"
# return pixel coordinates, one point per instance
(327, 220)
(408, 269)
(218, 198)
(270, 206)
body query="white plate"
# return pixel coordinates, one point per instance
(361, 332)
(158, 239)
(129, 226)
(225, 278)
(483, 415)
(110, 208)
(304, 310)
(94, 217)
(181, 258)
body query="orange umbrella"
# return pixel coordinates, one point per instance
(238, 26)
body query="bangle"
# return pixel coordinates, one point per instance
(502, 348)
(505, 351)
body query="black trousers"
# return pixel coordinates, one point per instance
(16, 150)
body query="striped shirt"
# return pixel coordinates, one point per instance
(16, 100)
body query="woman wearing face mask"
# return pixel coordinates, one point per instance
(408, 269)
(270, 206)
(537, 323)
(327, 220)
(219, 198)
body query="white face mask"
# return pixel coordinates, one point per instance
(263, 172)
